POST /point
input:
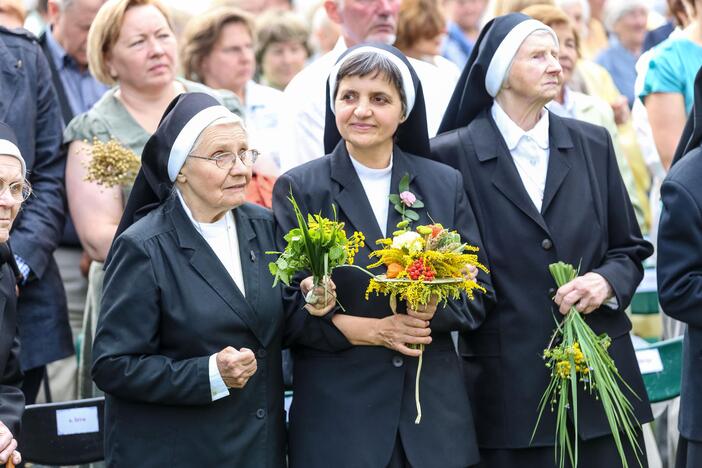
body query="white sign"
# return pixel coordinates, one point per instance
(77, 421)
(649, 361)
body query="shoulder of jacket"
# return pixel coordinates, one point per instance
(20, 34)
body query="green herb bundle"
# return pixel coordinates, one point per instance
(317, 245)
(581, 357)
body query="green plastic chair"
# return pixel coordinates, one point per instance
(645, 301)
(664, 385)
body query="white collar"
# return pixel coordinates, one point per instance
(513, 133)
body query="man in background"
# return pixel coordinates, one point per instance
(65, 44)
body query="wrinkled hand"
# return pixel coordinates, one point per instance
(425, 312)
(586, 293)
(236, 367)
(397, 331)
(8, 444)
(323, 301)
(620, 107)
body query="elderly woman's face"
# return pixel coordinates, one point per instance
(144, 56)
(10, 173)
(631, 27)
(232, 62)
(535, 74)
(368, 111)
(282, 61)
(568, 53)
(208, 188)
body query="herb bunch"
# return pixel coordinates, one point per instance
(581, 357)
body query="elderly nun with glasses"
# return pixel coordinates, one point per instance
(188, 343)
(354, 403)
(14, 189)
(544, 189)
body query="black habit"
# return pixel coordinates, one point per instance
(351, 402)
(679, 283)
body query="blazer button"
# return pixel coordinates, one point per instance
(260, 413)
(397, 361)
(551, 292)
(261, 353)
(546, 244)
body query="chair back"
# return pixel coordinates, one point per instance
(64, 433)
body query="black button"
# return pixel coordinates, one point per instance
(551, 292)
(261, 353)
(546, 244)
(397, 361)
(260, 413)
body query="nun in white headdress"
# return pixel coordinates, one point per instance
(544, 189)
(354, 404)
(188, 344)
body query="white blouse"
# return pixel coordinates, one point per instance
(376, 184)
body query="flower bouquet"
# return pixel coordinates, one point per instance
(421, 263)
(317, 245)
(112, 164)
(581, 357)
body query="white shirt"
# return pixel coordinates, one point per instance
(305, 100)
(376, 184)
(221, 236)
(529, 151)
(262, 117)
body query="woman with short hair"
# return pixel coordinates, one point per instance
(358, 396)
(282, 47)
(218, 51)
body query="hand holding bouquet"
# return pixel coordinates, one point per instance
(425, 267)
(581, 357)
(317, 245)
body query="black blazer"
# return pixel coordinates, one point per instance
(679, 267)
(350, 402)
(11, 397)
(587, 220)
(168, 304)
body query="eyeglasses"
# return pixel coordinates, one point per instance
(19, 191)
(227, 160)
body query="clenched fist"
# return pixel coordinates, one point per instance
(236, 367)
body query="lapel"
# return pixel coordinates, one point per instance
(351, 198)
(505, 178)
(558, 163)
(400, 167)
(11, 68)
(206, 263)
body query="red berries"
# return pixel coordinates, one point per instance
(418, 270)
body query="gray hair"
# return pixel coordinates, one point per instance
(373, 65)
(584, 5)
(614, 10)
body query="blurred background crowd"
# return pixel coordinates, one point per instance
(629, 65)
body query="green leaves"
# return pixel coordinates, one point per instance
(404, 183)
(598, 374)
(316, 245)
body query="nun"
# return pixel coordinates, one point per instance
(188, 343)
(544, 189)
(354, 392)
(14, 189)
(679, 266)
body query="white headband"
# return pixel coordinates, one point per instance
(501, 61)
(10, 149)
(407, 84)
(191, 131)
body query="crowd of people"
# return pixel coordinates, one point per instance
(540, 130)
